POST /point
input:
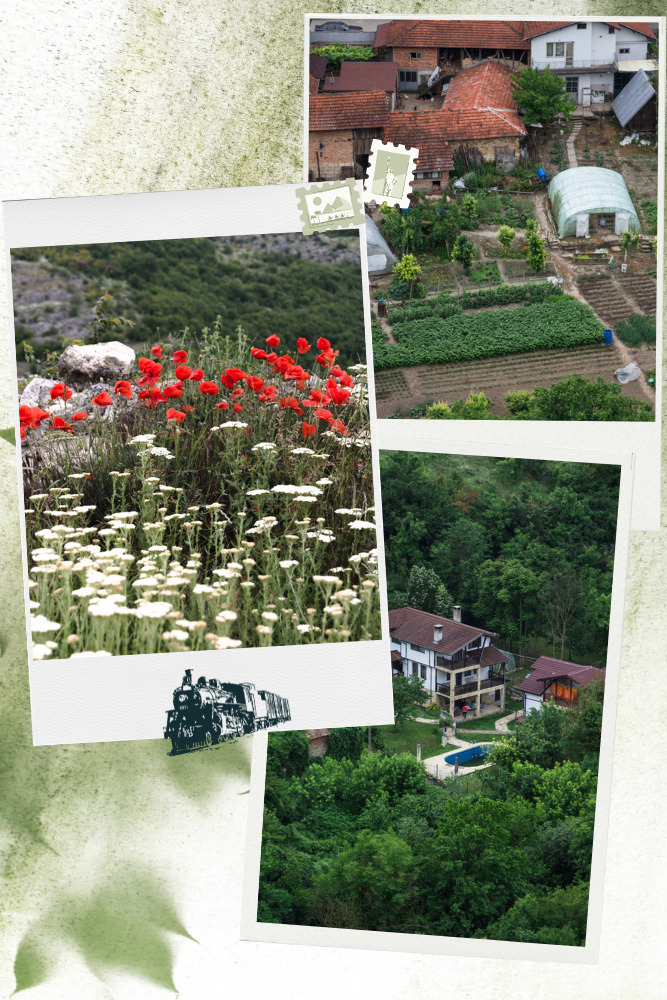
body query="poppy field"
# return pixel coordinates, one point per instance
(220, 496)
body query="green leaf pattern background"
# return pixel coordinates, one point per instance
(121, 867)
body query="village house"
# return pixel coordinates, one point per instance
(366, 76)
(421, 47)
(556, 681)
(318, 742)
(481, 117)
(596, 58)
(426, 131)
(457, 663)
(341, 129)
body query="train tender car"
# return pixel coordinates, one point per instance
(211, 712)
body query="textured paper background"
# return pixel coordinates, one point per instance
(131, 96)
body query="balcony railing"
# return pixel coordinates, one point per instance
(562, 64)
(493, 680)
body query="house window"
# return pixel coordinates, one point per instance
(581, 26)
(572, 84)
(560, 48)
(415, 55)
(436, 184)
(417, 649)
(550, 48)
(407, 76)
(624, 52)
(422, 671)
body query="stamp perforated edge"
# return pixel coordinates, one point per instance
(376, 146)
(357, 218)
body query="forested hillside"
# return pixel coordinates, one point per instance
(526, 547)
(288, 284)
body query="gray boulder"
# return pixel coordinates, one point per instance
(82, 366)
(38, 392)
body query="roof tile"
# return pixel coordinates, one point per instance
(479, 101)
(450, 33)
(546, 668)
(363, 76)
(365, 109)
(427, 131)
(416, 626)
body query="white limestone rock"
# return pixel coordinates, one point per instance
(108, 362)
(37, 392)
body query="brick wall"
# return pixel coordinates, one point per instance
(487, 147)
(426, 184)
(318, 742)
(337, 152)
(427, 63)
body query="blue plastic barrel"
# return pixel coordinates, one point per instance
(541, 174)
(608, 336)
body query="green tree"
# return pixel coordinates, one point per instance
(577, 398)
(506, 237)
(463, 252)
(509, 598)
(336, 54)
(469, 206)
(558, 916)
(105, 326)
(537, 253)
(542, 96)
(408, 271)
(475, 407)
(409, 696)
(351, 742)
(287, 754)
(427, 592)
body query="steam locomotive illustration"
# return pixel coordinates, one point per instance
(210, 712)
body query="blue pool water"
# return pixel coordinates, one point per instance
(471, 753)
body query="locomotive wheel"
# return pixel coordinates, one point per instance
(208, 738)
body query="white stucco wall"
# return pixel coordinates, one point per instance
(592, 44)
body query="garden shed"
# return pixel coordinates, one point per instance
(380, 258)
(591, 200)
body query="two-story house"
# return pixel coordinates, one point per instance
(588, 54)
(457, 663)
(557, 681)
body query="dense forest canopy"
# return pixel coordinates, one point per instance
(526, 547)
(366, 841)
(291, 285)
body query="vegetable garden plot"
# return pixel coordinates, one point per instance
(567, 323)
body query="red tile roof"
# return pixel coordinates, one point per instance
(425, 130)
(451, 34)
(415, 626)
(491, 656)
(363, 76)
(366, 109)
(395, 655)
(546, 669)
(533, 28)
(479, 102)
(317, 66)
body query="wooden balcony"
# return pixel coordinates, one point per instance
(493, 680)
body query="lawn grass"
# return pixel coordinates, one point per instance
(404, 739)
(479, 737)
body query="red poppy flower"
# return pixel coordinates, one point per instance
(188, 409)
(238, 392)
(338, 395)
(150, 368)
(32, 416)
(182, 372)
(268, 394)
(123, 388)
(152, 397)
(145, 380)
(197, 374)
(302, 345)
(80, 416)
(59, 424)
(323, 344)
(172, 391)
(307, 430)
(258, 353)
(292, 403)
(156, 351)
(176, 415)
(338, 425)
(237, 408)
(324, 414)
(103, 399)
(209, 388)
(180, 357)
(327, 358)
(271, 357)
(23, 434)
(346, 380)
(273, 341)
(254, 383)
(236, 374)
(224, 405)
(59, 390)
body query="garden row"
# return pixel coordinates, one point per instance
(432, 340)
(445, 305)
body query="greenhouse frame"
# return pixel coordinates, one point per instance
(380, 258)
(581, 192)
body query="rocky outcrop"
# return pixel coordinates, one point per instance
(82, 366)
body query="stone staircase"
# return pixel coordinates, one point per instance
(577, 122)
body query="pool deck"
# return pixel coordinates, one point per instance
(438, 768)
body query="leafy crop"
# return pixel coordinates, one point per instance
(433, 340)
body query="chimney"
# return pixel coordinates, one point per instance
(456, 613)
(437, 633)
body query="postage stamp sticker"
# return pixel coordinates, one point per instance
(330, 205)
(391, 171)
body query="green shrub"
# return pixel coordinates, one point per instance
(650, 210)
(577, 398)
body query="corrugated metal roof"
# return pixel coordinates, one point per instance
(633, 65)
(633, 97)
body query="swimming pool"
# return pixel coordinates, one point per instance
(468, 753)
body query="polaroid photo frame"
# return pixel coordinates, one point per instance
(416, 438)
(125, 697)
(641, 438)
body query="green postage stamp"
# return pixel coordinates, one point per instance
(331, 205)
(390, 173)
